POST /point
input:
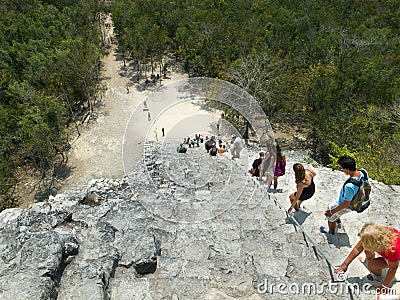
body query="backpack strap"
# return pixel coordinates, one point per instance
(364, 173)
(357, 183)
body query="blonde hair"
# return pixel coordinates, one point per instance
(377, 238)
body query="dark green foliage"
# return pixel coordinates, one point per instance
(333, 66)
(49, 60)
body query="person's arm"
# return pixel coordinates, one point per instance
(253, 168)
(348, 194)
(300, 187)
(311, 172)
(271, 163)
(390, 274)
(330, 212)
(358, 248)
(284, 159)
(261, 168)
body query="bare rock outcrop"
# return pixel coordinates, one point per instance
(161, 233)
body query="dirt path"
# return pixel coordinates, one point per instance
(97, 153)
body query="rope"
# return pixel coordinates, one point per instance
(315, 246)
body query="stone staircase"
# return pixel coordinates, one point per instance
(335, 248)
(242, 247)
(187, 226)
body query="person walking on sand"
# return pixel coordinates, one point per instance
(381, 245)
(305, 186)
(336, 211)
(280, 165)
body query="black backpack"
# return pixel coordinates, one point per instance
(361, 199)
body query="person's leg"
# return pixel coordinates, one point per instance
(269, 179)
(332, 219)
(297, 206)
(332, 227)
(291, 199)
(275, 182)
(376, 265)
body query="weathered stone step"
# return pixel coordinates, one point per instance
(336, 248)
(145, 237)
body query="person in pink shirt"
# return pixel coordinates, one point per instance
(381, 245)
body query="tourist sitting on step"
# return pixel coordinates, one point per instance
(255, 167)
(381, 245)
(181, 149)
(209, 144)
(305, 187)
(213, 151)
(220, 142)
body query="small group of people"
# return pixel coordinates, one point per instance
(191, 142)
(305, 189)
(269, 166)
(210, 144)
(196, 141)
(380, 244)
(235, 146)
(213, 145)
(212, 148)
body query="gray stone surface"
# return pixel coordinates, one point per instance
(162, 232)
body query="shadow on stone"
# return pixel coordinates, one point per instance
(146, 268)
(339, 240)
(44, 193)
(301, 216)
(91, 199)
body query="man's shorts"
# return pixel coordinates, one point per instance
(339, 214)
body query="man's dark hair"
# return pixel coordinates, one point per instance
(347, 162)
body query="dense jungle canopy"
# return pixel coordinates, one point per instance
(331, 66)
